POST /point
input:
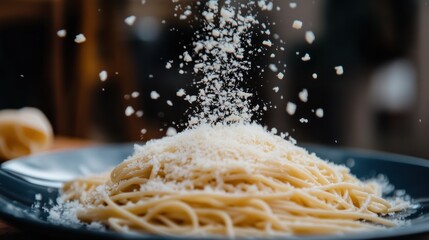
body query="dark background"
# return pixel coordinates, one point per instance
(381, 101)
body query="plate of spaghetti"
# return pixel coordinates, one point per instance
(224, 181)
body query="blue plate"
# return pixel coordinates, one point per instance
(21, 179)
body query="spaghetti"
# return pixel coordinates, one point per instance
(235, 181)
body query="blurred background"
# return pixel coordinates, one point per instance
(380, 102)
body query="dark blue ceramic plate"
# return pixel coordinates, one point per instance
(22, 179)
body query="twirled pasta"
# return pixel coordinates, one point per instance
(233, 181)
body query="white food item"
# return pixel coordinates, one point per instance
(280, 75)
(339, 70)
(129, 111)
(24, 131)
(143, 131)
(169, 103)
(297, 24)
(168, 65)
(306, 57)
(292, 5)
(319, 112)
(314, 75)
(276, 89)
(273, 67)
(303, 120)
(154, 95)
(291, 108)
(103, 76)
(139, 113)
(62, 33)
(180, 93)
(267, 43)
(135, 94)
(309, 37)
(171, 131)
(303, 95)
(80, 38)
(130, 20)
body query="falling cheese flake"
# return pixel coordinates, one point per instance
(309, 37)
(103, 76)
(291, 108)
(143, 131)
(154, 95)
(339, 70)
(135, 94)
(168, 65)
(180, 93)
(292, 5)
(319, 112)
(130, 20)
(187, 57)
(297, 24)
(169, 103)
(267, 43)
(303, 95)
(303, 120)
(272, 55)
(273, 67)
(276, 89)
(280, 75)
(62, 33)
(80, 38)
(171, 131)
(129, 111)
(314, 75)
(306, 57)
(139, 113)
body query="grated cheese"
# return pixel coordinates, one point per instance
(80, 38)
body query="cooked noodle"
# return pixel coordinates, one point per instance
(230, 181)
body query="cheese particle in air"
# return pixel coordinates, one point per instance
(297, 24)
(135, 94)
(130, 20)
(180, 93)
(129, 111)
(171, 131)
(319, 112)
(306, 57)
(267, 43)
(273, 67)
(309, 37)
(291, 108)
(314, 75)
(62, 33)
(103, 76)
(139, 113)
(80, 38)
(303, 95)
(154, 95)
(280, 75)
(339, 70)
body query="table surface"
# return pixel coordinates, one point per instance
(60, 143)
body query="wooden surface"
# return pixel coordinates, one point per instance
(60, 143)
